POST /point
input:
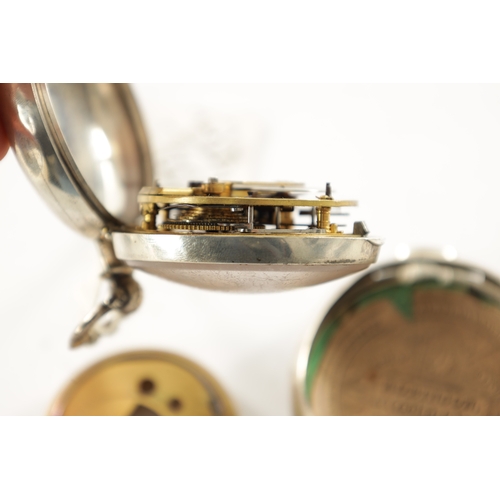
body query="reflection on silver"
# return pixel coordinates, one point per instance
(72, 140)
(123, 295)
(245, 262)
(84, 148)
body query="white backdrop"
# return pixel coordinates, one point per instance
(423, 160)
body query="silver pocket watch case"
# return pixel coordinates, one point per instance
(85, 149)
(418, 337)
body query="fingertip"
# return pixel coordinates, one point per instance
(4, 143)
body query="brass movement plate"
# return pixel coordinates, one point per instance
(428, 347)
(217, 206)
(143, 383)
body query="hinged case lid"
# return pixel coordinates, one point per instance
(84, 147)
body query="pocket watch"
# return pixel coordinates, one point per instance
(85, 149)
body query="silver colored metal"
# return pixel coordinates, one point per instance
(420, 337)
(251, 214)
(84, 148)
(246, 262)
(360, 228)
(123, 296)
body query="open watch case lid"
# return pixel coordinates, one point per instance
(84, 148)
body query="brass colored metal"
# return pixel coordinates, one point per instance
(230, 207)
(149, 212)
(159, 197)
(215, 188)
(84, 147)
(323, 213)
(209, 218)
(286, 218)
(323, 218)
(195, 227)
(143, 383)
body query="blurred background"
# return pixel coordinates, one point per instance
(423, 161)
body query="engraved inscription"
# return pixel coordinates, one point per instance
(443, 361)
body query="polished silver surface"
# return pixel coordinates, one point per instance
(122, 296)
(247, 263)
(84, 148)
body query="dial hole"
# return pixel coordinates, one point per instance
(146, 386)
(175, 404)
